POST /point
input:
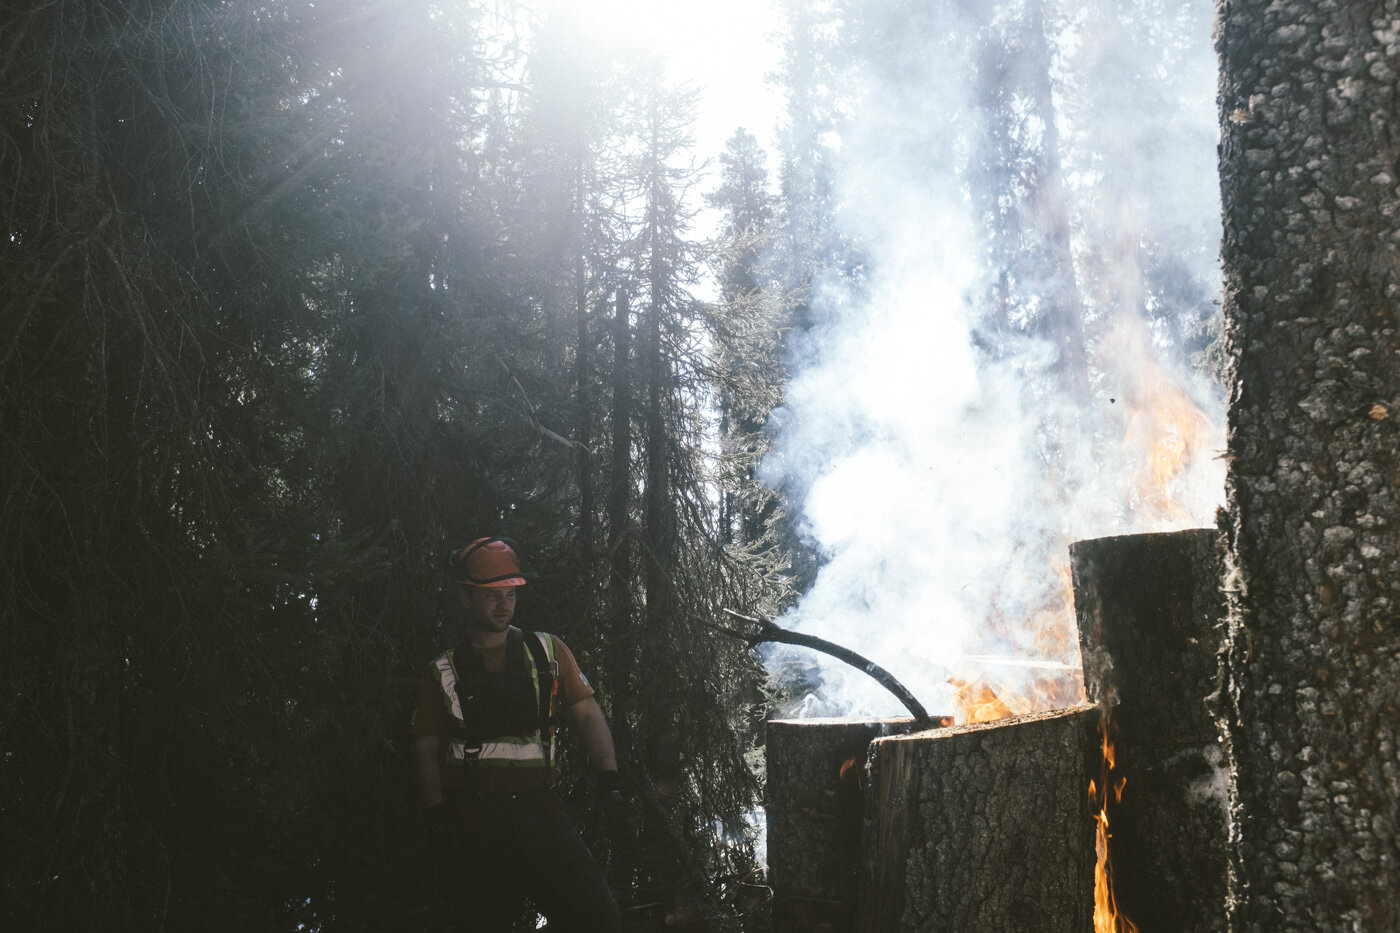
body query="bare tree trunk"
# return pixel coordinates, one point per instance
(620, 480)
(620, 645)
(1309, 180)
(1063, 323)
(583, 380)
(657, 486)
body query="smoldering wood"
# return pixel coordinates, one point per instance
(770, 632)
(814, 811)
(983, 826)
(1151, 622)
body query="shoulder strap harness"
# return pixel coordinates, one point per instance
(490, 706)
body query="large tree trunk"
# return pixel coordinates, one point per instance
(1309, 179)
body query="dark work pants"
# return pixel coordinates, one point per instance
(509, 847)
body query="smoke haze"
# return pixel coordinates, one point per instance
(942, 460)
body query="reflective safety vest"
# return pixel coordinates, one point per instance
(501, 719)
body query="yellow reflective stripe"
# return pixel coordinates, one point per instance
(447, 680)
(511, 751)
(508, 754)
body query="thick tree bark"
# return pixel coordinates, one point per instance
(620, 646)
(983, 827)
(814, 808)
(1309, 178)
(1151, 624)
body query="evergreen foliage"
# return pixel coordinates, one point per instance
(295, 298)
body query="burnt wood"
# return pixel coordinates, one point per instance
(1151, 622)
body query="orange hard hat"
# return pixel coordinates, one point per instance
(488, 562)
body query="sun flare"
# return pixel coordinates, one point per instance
(724, 49)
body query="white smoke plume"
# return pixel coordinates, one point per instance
(941, 482)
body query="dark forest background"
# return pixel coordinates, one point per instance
(296, 296)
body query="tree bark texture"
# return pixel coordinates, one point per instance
(1309, 175)
(984, 826)
(1151, 626)
(814, 811)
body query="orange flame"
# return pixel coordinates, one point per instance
(1166, 432)
(1057, 636)
(1107, 918)
(976, 701)
(1046, 632)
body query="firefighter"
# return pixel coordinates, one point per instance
(483, 741)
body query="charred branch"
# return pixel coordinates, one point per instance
(770, 632)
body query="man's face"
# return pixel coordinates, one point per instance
(489, 608)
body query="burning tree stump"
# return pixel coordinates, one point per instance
(814, 818)
(1151, 623)
(983, 827)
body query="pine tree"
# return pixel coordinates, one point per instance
(677, 679)
(160, 530)
(748, 328)
(297, 297)
(236, 305)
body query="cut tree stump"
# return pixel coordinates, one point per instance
(1151, 619)
(814, 809)
(983, 826)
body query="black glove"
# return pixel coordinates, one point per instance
(621, 818)
(438, 827)
(609, 788)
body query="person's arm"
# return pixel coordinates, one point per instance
(427, 752)
(588, 721)
(425, 734)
